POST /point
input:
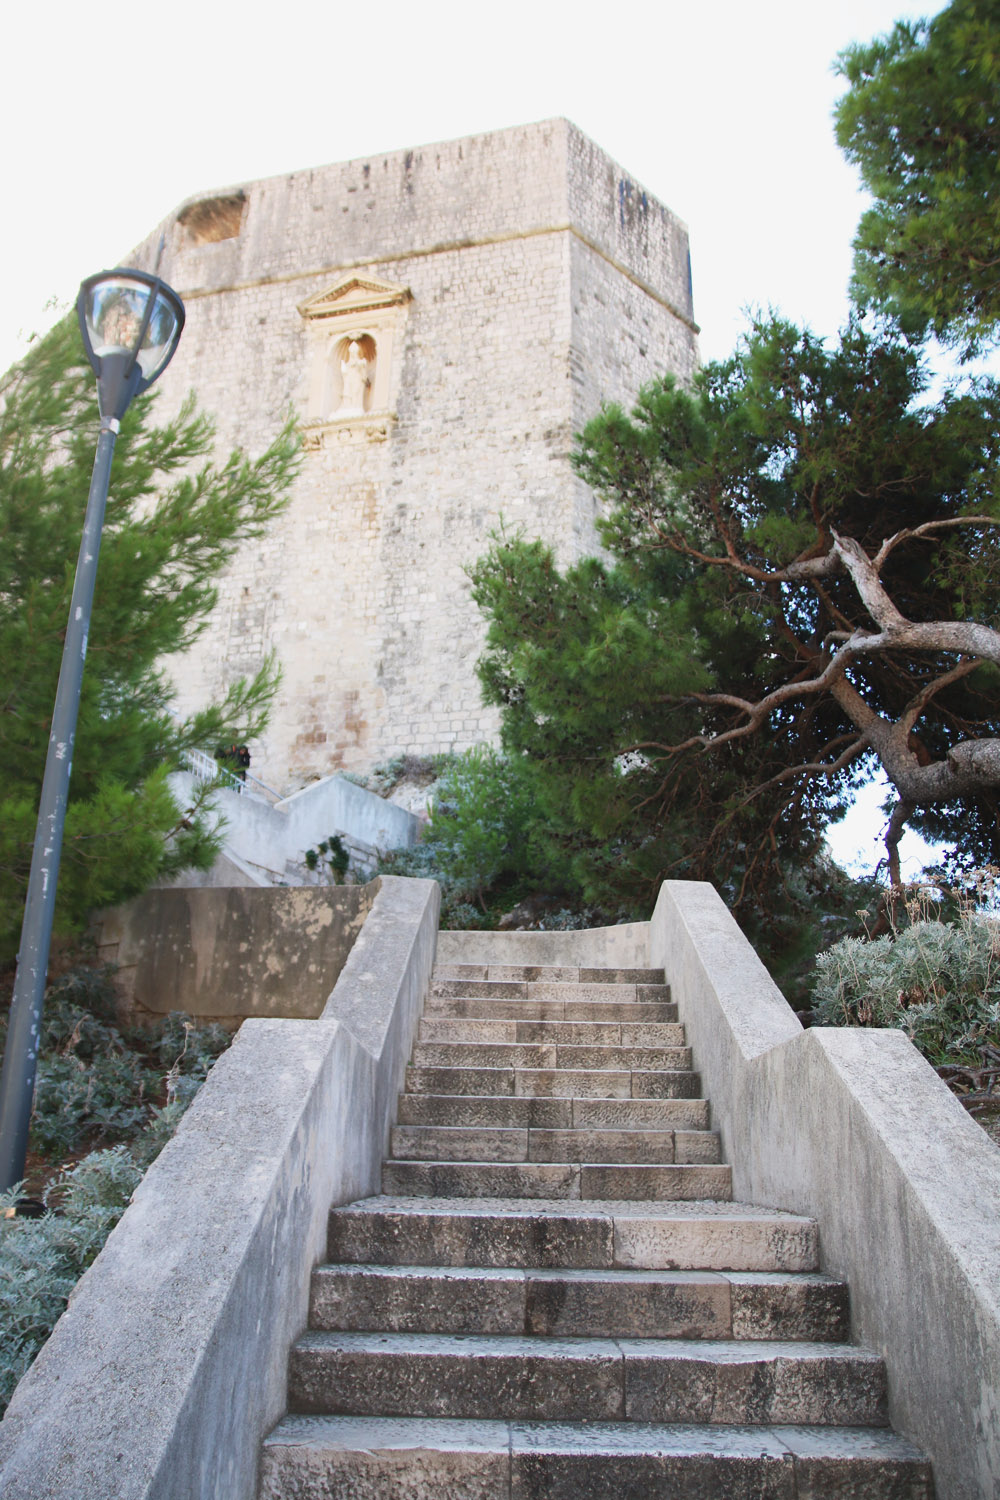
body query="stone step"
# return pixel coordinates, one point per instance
(551, 973)
(484, 1144)
(551, 1180)
(528, 989)
(580, 1304)
(581, 1379)
(537, 1055)
(674, 1236)
(413, 1458)
(548, 1010)
(558, 1083)
(521, 1112)
(558, 1033)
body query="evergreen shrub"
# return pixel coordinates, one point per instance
(939, 981)
(96, 1084)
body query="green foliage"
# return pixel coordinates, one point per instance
(173, 521)
(480, 844)
(937, 981)
(480, 821)
(922, 122)
(99, 1083)
(331, 857)
(42, 1259)
(95, 1082)
(614, 676)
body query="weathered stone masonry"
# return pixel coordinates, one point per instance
(486, 295)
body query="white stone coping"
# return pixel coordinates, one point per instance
(169, 1365)
(854, 1127)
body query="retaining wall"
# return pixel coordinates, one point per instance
(592, 947)
(229, 953)
(169, 1365)
(267, 842)
(855, 1128)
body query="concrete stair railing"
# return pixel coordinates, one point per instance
(555, 1295)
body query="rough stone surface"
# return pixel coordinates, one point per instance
(579, 1304)
(497, 1232)
(236, 952)
(766, 1306)
(620, 1304)
(533, 279)
(475, 1376)
(662, 1183)
(475, 1112)
(369, 1458)
(734, 1383)
(594, 947)
(358, 1458)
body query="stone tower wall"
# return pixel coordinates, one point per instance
(540, 282)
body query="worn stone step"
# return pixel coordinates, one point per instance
(548, 1010)
(577, 1379)
(542, 989)
(557, 973)
(709, 1236)
(539, 1055)
(523, 1112)
(559, 1083)
(471, 1143)
(414, 1458)
(535, 1179)
(565, 1033)
(580, 1304)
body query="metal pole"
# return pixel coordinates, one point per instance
(17, 1079)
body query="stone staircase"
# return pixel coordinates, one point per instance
(555, 1295)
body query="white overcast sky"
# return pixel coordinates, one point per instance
(110, 117)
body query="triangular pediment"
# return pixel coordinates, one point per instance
(352, 294)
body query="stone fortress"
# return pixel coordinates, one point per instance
(441, 321)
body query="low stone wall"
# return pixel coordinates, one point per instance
(169, 1365)
(592, 947)
(229, 953)
(855, 1128)
(265, 843)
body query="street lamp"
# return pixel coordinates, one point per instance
(130, 323)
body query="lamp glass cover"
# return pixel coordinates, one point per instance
(114, 312)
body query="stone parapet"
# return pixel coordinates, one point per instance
(854, 1127)
(170, 1363)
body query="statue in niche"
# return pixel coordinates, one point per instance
(354, 374)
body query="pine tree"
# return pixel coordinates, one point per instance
(173, 521)
(805, 559)
(921, 120)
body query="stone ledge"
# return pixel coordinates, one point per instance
(170, 1362)
(855, 1128)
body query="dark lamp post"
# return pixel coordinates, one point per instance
(130, 323)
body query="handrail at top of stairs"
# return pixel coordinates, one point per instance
(205, 767)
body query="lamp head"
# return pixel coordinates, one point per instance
(130, 323)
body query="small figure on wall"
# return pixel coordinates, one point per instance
(354, 372)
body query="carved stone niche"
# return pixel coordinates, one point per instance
(355, 331)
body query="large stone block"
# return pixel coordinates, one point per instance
(236, 952)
